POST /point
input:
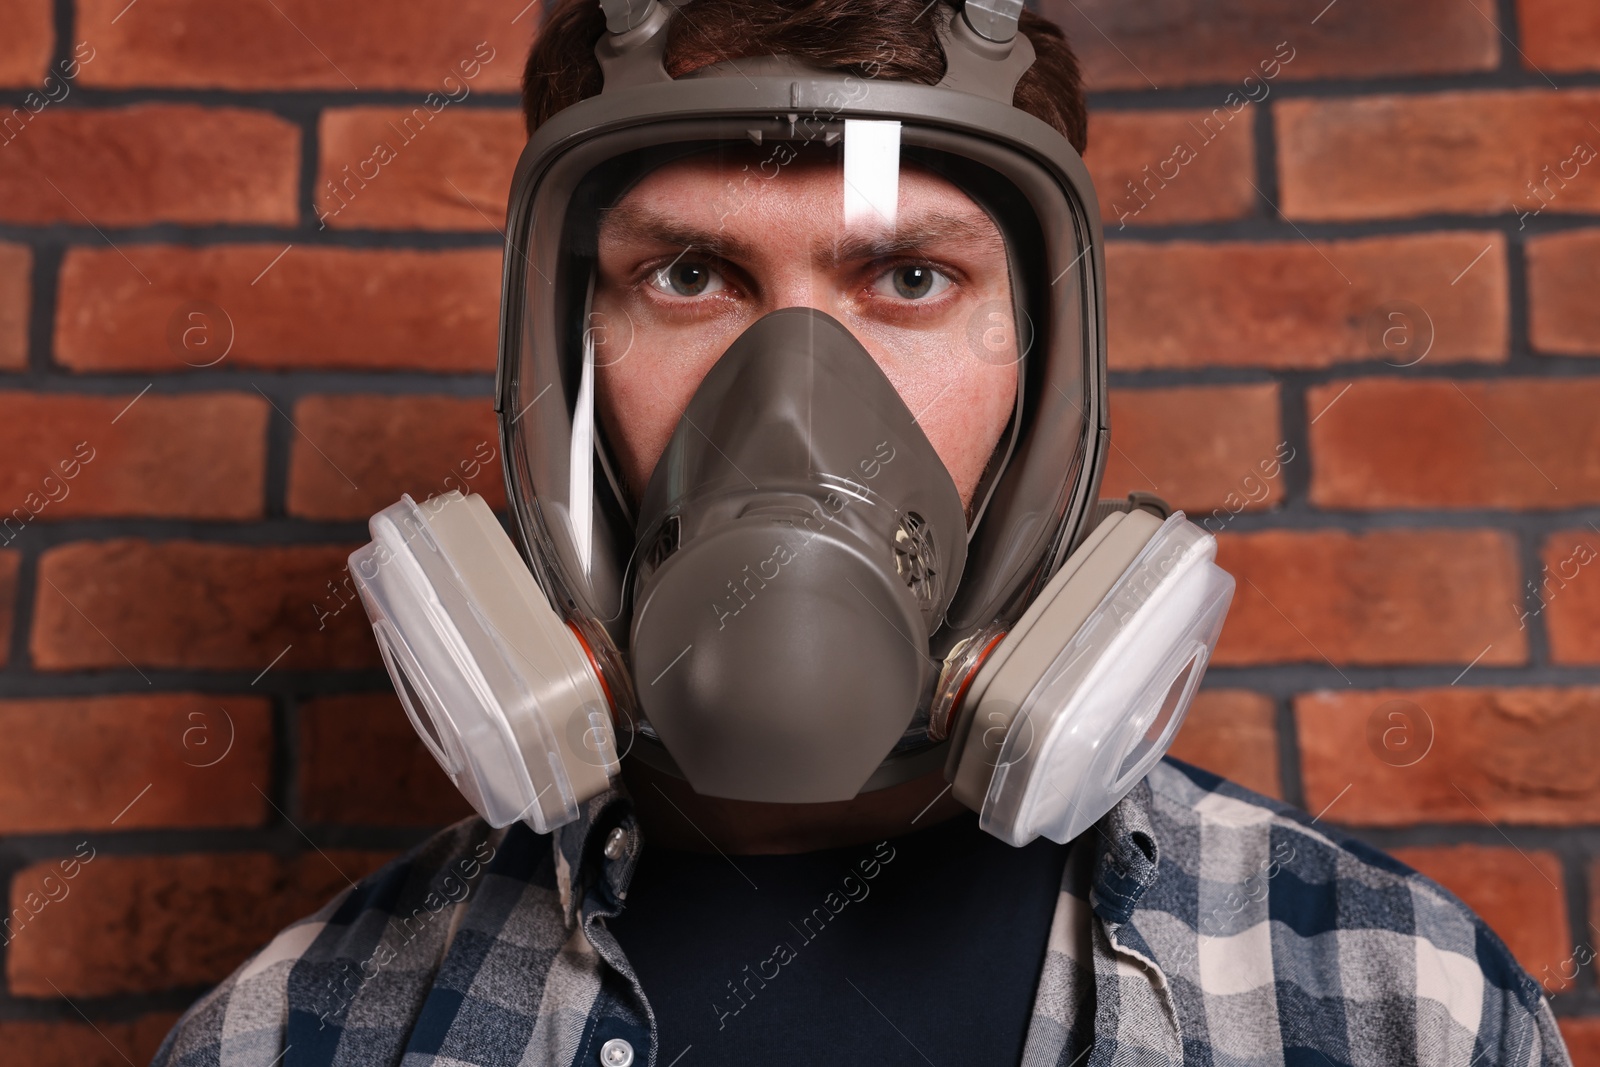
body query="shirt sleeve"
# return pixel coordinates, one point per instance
(310, 980)
(249, 1011)
(1549, 1048)
(1517, 1027)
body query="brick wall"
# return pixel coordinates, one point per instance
(220, 351)
(1344, 328)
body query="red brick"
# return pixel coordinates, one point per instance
(1567, 588)
(30, 38)
(1517, 892)
(316, 307)
(1582, 1036)
(1198, 448)
(194, 605)
(306, 44)
(412, 169)
(1234, 733)
(370, 449)
(135, 924)
(1563, 275)
(150, 163)
(362, 762)
(1166, 43)
(68, 458)
(1485, 755)
(79, 763)
(1287, 304)
(1456, 152)
(84, 1044)
(9, 562)
(1386, 443)
(1167, 166)
(16, 290)
(1559, 35)
(1385, 597)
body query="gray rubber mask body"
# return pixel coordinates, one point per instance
(800, 540)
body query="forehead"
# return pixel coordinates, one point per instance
(780, 195)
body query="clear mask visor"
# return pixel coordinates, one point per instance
(644, 253)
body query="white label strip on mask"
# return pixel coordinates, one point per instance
(580, 486)
(871, 173)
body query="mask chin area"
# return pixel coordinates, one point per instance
(799, 541)
(777, 664)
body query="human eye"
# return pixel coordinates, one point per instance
(685, 279)
(912, 281)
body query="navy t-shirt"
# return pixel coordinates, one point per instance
(924, 948)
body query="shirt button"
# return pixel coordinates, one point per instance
(616, 1053)
(616, 845)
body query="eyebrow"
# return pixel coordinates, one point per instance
(919, 231)
(636, 223)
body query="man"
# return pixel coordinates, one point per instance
(802, 391)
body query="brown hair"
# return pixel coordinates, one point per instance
(852, 36)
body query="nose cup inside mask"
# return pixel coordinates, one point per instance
(799, 542)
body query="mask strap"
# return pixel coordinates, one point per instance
(600, 450)
(633, 48)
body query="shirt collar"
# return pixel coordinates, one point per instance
(1127, 856)
(1126, 861)
(581, 857)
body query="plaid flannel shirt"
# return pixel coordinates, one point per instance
(1197, 923)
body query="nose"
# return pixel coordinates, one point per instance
(797, 284)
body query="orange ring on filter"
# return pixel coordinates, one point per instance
(966, 683)
(594, 665)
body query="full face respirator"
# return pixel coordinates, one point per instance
(793, 601)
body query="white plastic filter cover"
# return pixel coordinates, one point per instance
(499, 689)
(1106, 709)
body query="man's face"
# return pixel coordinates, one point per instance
(703, 247)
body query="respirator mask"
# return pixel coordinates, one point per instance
(745, 560)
